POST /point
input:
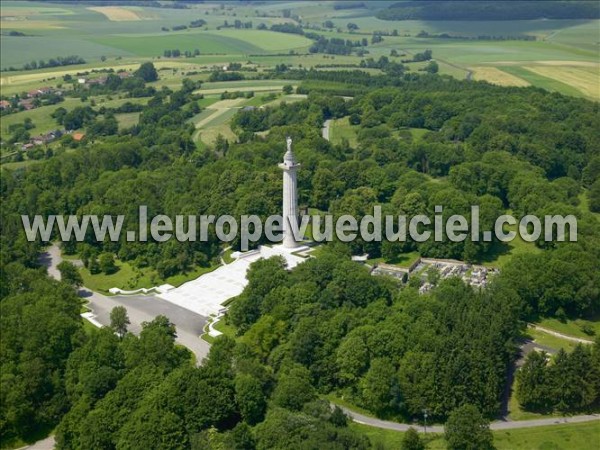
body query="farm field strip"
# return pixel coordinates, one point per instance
(588, 82)
(116, 13)
(497, 76)
(544, 82)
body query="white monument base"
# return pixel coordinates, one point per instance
(206, 294)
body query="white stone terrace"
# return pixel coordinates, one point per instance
(206, 294)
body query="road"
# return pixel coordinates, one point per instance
(325, 129)
(44, 444)
(140, 308)
(498, 425)
(144, 308)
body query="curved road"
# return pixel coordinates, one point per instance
(140, 308)
(498, 425)
(189, 325)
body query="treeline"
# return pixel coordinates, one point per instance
(483, 37)
(237, 24)
(287, 28)
(419, 57)
(334, 46)
(485, 10)
(176, 53)
(237, 94)
(220, 75)
(193, 24)
(52, 62)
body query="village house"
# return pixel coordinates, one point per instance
(99, 80)
(47, 137)
(40, 91)
(78, 136)
(4, 104)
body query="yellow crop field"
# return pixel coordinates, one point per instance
(116, 13)
(496, 76)
(583, 78)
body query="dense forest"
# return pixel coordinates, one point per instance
(487, 10)
(328, 326)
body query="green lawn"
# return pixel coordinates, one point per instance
(227, 256)
(340, 129)
(131, 278)
(405, 260)
(583, 436)
(127, 277)
(551, 341)
(572, 327)
(502, 252)
(127, 120)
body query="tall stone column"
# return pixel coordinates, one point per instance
(290, 196)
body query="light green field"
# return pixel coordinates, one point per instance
(405, 260)
(43, 121)
(572, 327)
(541, 81)
(223, 42)
(502, 252)
(128, 120)
(548, 340)
(130, 278)
(76, 29)
(584, 436)
(40, 117)
(340, 129)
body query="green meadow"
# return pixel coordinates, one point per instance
(582, 436)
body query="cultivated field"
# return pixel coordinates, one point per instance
(116, 13)
(497, 76)
(583, 78)
(106, 32)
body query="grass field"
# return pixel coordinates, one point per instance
(405, 260)
(584, 436)
(43, 121)
(133, 32)
(572, 327)
(584, 79)
(116, 13)
(502, 252)
(131, 278)
(128, 120)
(497, 76)
(340, 129)
(548, 340)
